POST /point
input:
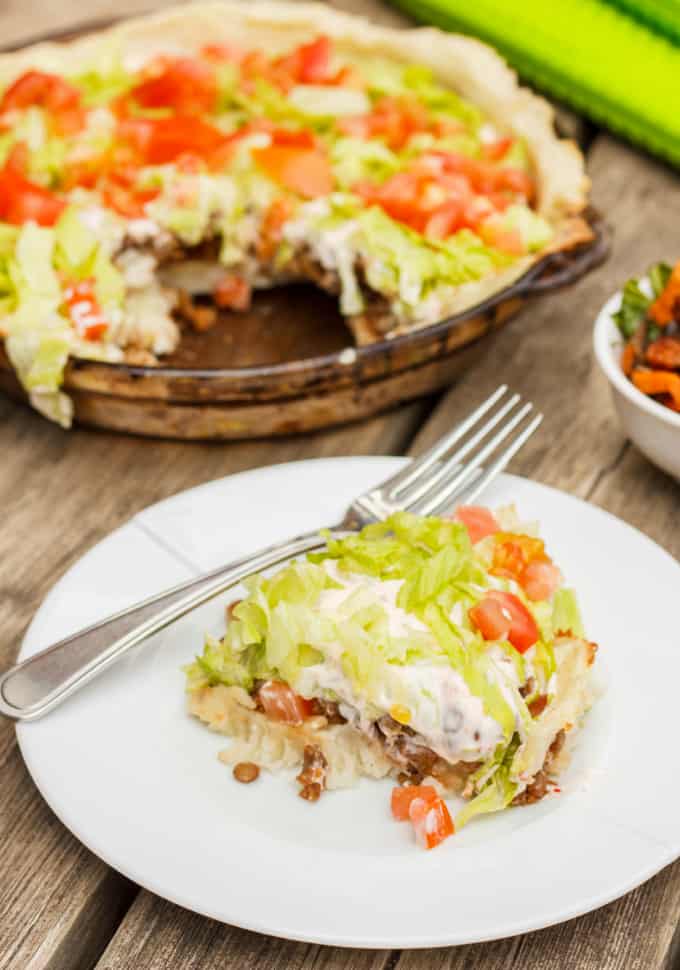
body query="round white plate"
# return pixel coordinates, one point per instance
(139, 782)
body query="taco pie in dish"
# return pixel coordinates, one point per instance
(157, 171)
(444, 653)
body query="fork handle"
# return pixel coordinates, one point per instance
(39, 684)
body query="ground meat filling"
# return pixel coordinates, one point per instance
(539, 786)
(312, 778)
(328, 709)
(416, 760)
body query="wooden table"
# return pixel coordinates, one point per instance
(63, 909)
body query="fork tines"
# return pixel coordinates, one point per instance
(442, 477)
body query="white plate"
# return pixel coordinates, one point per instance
(139, 782)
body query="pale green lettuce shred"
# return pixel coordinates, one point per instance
(356, 159)
(39, 337)
(535, 231)
(440, 100)
(47, 152)
(106, 78)
(79, 255)
(322, 100)
(566, 616)
(400, 262)
(433, 557)
(497, 792)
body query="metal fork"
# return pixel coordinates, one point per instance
(429, 485)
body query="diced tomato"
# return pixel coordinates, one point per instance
(507, 240)
(315, 60)
(502, 616)
(421, 199)
(540, 580)
(232, 293)
(444, 221)
(306, 171)
(497, 149)
(665, 307)
(308, 63)
(514, 180)
(60, 98)
(347, 77)
(158, 141)
(403, 795)
(300, 138)
(393, 119)
(222, 53)
(281, 703)
(432, 822)
(172, 137)
(278, 213)
(22, 200)
(441, 193)
(479, 522)
(84, 310)
(185, 84)
(120, 193)
(489, 179)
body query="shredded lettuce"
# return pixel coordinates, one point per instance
(323, 100)
(355, 159)
(535, 231)
(106, 78)
(635, 302)
(434, 561)
(420, 83)
(38, 337)
(401, 263)
(498, 792)
(566, 615)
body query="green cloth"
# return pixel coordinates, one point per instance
(588, 53)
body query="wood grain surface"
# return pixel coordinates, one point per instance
(60, 907)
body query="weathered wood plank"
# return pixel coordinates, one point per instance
(633, 934)
(159, 935)
(22, 21)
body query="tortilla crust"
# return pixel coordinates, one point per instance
(471, 68)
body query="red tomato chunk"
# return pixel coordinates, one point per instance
(502, 616)
(281, 703)
(479, 521)
(405, 794)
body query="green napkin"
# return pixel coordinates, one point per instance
(587, 53)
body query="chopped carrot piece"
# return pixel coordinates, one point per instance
(658, 382)
(664, 353)
(628, 359)
(662, 309)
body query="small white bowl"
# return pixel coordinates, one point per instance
(653, 428)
